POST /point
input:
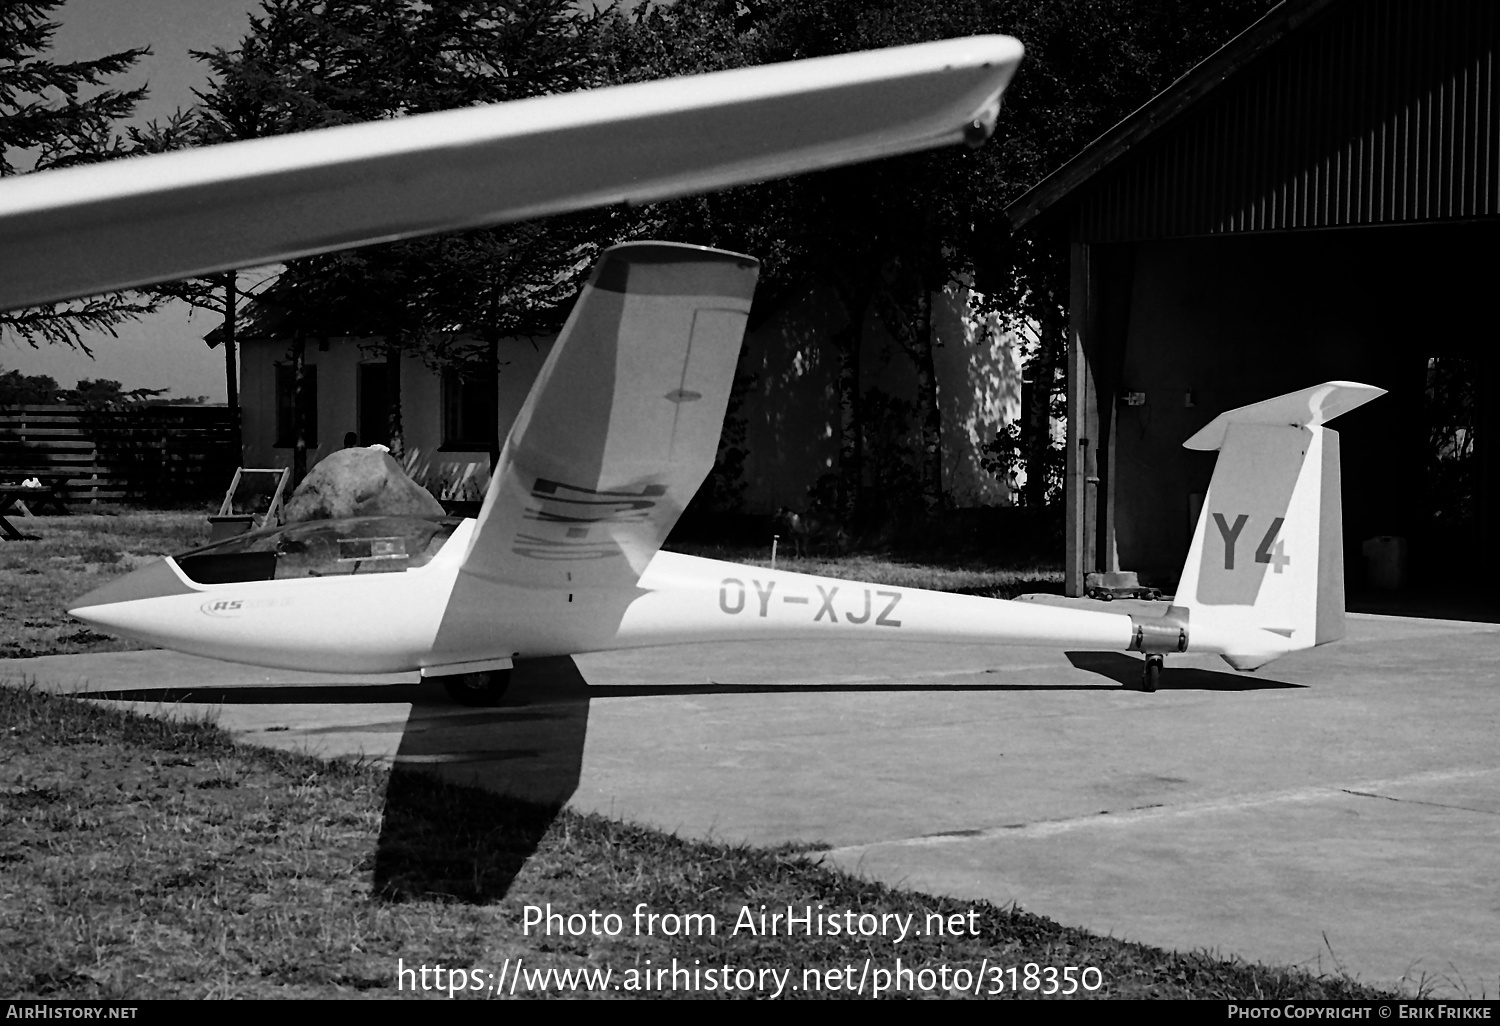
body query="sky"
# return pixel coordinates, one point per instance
(167, 350)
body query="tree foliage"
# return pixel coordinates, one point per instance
(314, 63)
(17, 389)
(59, 114)
(889, 236)
(1088, 64)
(886, 238)
(309, 64)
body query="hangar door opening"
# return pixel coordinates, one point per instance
(1448, 486)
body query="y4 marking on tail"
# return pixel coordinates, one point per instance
(1271, 550)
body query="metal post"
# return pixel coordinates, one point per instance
(299, 408)
(231, 365)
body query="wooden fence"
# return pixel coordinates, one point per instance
(150, 454)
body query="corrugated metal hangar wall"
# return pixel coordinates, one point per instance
(1319, 199)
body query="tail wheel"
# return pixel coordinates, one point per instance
(477, 689)
(1151, 675)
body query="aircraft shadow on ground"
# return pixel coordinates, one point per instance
(427, 694)
(515, 767)
(273, 694)
(711, 688)
(1126, 669)
(472, 792)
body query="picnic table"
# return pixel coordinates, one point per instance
(16, 499)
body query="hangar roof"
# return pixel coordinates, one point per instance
(1324, 113)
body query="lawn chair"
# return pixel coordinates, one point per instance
(227, 523)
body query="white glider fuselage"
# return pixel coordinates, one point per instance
(390, 622)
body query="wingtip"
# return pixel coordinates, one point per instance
(675, 269)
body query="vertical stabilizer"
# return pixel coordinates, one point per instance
(1265, 571)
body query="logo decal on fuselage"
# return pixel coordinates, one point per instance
(236, 606)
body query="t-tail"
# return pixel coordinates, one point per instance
(1265, 572)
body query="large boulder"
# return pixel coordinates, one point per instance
(358, 483)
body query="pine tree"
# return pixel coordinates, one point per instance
(42, 114)
(47, 121)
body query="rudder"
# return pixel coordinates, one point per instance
(1264, 574)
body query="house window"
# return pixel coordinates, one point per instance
(286, 423)
(374, 404)
(469, 415)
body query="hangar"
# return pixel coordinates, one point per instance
(1318, 199)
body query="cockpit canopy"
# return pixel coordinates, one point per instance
(321, 548)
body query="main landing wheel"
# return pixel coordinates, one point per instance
(477, 689)
(1151, 675)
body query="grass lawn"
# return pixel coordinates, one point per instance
(146, 859)
(39, 579)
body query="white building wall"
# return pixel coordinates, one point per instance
(792, 415)
(979, 392)
(449, 473)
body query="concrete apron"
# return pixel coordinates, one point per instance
(1338, 810)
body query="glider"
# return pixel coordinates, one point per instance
(622, 424)
(617, 434)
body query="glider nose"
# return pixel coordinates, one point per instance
(111, 605)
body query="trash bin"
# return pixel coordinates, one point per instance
(1385, 562)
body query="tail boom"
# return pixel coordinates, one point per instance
(693, 599)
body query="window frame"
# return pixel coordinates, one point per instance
(455, 417)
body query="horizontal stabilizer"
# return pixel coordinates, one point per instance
(1310, 407)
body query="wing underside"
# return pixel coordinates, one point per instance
(622, 424)
(85, 230)
(615, 437)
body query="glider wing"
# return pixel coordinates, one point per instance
(79, 231)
